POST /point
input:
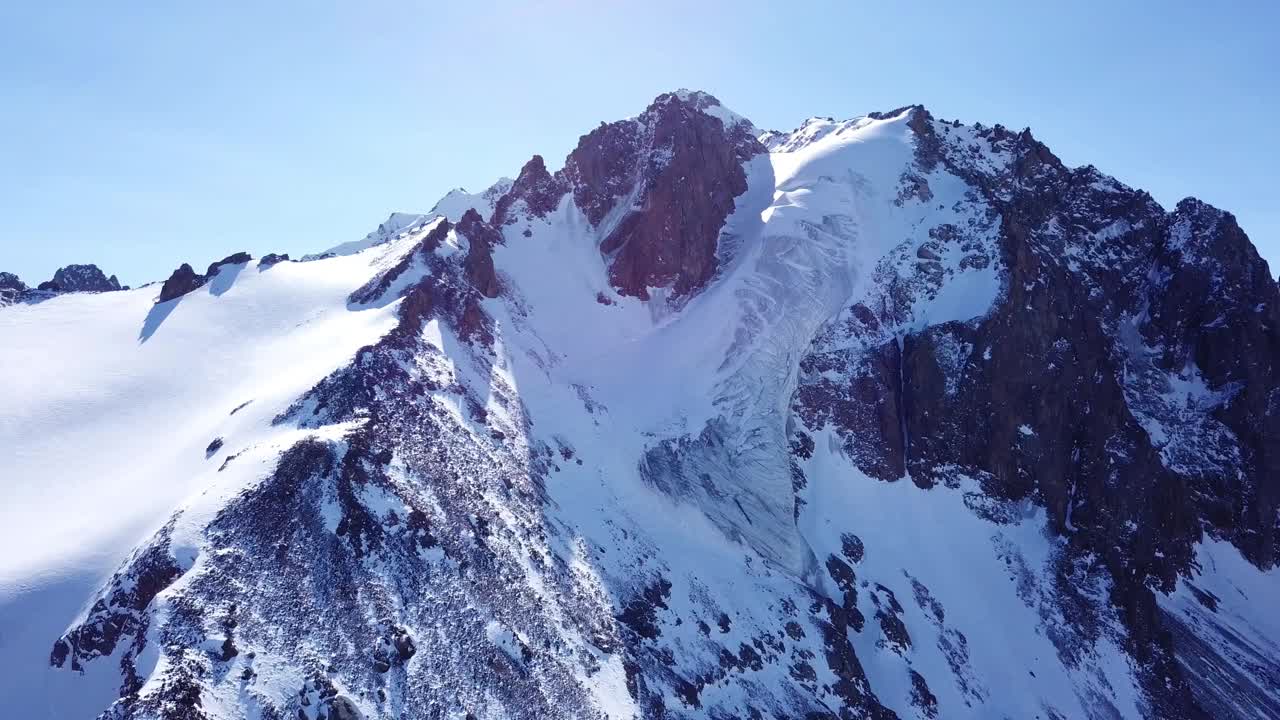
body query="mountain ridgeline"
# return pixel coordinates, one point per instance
(891, 417)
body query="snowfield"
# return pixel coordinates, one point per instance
(110, 403)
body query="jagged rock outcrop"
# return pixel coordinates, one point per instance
(182, 281)
(538, 190)
(185, 279)
(239, 258)
(69, 279)
(80, 278)
(479, 262)
(271, 259)
(659, 188)
(11, 288)
(1217, 312)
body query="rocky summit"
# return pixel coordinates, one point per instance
(69, 279)
(887, 417)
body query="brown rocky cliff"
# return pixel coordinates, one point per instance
(680, 168)
(538, 189)
(479, 261)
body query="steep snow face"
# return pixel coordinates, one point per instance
(966, 595)
(860, 461)
(711, 381)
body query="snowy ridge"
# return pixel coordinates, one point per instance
(223, 363)
(458, 201)
(396, 225)
(941, 436)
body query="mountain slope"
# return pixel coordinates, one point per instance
(889, 417)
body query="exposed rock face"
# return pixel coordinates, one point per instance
(11, 288)
(182, 281)
(479, 262)
(80, 278)
(659, 188)
(272, 259)
(9, 281)
(537, 189)
(1012, 405)
(1218, 311)
(1125, 380)
(239, 258)
(72, 278)
(860, 400)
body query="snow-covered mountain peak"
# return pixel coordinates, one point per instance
(887, 417)
(816, 128)
(708, 104)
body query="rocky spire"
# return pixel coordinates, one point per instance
(182, 281)
(539, 190)
(479, 261)
(659, 188)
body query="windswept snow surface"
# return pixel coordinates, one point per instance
(109, 405)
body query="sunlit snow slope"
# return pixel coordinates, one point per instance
(886, 417)
(110, 402)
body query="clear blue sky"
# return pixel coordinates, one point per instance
(141, 137)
